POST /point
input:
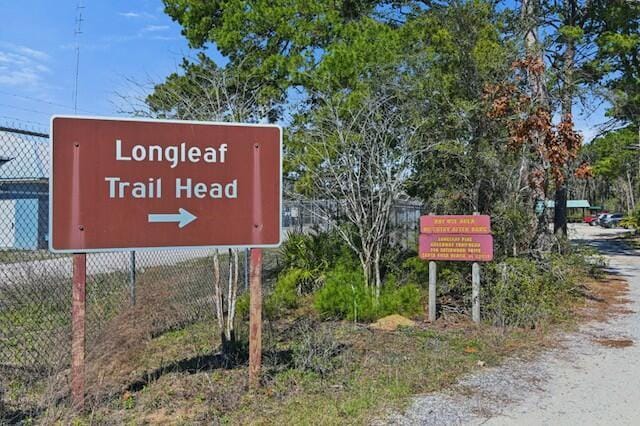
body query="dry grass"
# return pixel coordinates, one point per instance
(174, 378)
(615, 343)
(605, 298)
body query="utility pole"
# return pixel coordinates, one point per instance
(77, 32)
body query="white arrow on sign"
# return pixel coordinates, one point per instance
(183, 217)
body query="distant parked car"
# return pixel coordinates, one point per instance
(591, 220)
(612, 220)
(599, 218)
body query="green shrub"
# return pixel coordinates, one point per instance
(242, 306)
(524, 292)
(632, 220)
(511, 227)
(285, 293)
(311, 254)
(415, 270)
(453, 281)
(404, 300)
(344, 296)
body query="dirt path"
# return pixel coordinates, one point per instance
(582, 382)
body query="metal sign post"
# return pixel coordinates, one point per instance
(433, 273)
(475, 286)
(475, 292)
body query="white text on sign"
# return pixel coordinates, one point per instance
(173, 155)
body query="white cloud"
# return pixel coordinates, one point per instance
(148, 32)
(165, 38)
(155, 28)
(136, 15)
(22, 66)
(35, 54)
(18, 77)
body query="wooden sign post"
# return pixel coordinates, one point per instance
(456, 238)
(78, 311)
(255, 318)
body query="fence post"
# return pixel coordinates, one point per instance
(255, 319)
(132, 277)
(78, 310)
(475, 289)
(301, 217)
(432, 290)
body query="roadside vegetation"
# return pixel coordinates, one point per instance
(325, 359)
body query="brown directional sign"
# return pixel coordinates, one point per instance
(130, 184)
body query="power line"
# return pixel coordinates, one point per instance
(43, 101)
(9, 119)
(26, 109)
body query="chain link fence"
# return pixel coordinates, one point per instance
(309, 215)
(35, 285)
(169, 289)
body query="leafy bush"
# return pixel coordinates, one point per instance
(453, 282)
(511, 228)
(310, 255)
(524, 292)
(632, 220)
(404, 300)
(242, 306)
(415, 270)
(285, 293)
(344, 296)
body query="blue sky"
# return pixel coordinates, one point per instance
(120, 41)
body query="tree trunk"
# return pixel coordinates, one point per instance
(376, 268)
(560, 212)
(632, 203)
(530, 8)
(366, 261)
(229, 344)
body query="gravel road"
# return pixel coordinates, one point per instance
(579, 383)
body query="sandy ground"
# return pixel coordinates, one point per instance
(579, 383)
